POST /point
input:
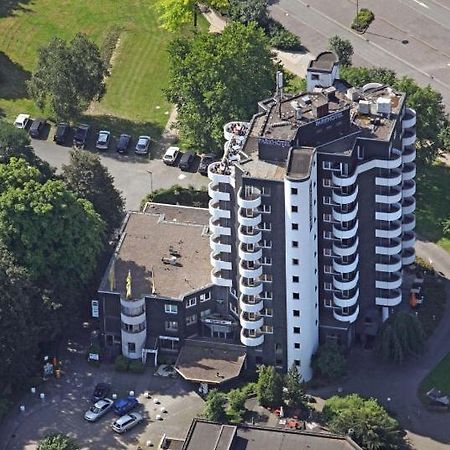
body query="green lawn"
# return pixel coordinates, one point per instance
(433, 202)
(134, 98)
(439, 377)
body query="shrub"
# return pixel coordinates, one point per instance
(121, 363)
(57, 441)
(363, 19)
(215, 406)
(330, 361)
(236, 403)
(177, 195)
(136, 366)
(5, 404)
(281, 38)
(109, 43)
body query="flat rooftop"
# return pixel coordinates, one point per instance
(165, 249)
(204, 435)
(299, 164)
(324, 61)
(210, 362)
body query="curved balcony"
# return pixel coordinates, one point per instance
(133, 320)
(248, 200)
(344, 180)
(346, 301)
(131, 336)
(216, 244)
(348, 216)
(216, 194)
(389, 177)
(408, 205)
(251, 341)
(408, 256)
(388, 195)
(251, 289)
(409, 119)
(341, 232)
(250, 324)
(409, 154)
(249, 235)
(408, 239)
(345, 249)
(346, 267)
(409, 188)
(345, 285)
(389, 230)
(131, 307)
(345, 199)
(249, 269)
(219, 172)
(349, 318)
(388, 213)
(394, 161)
(249, 217)
(408, 222)
(249, 254)
(251, 303)
(388, 246)
(220, 261)
(409, 171)
(219, 226)
(409, 137)
(388, 297)
(216, 211)
(388, 281)
(388, 263)
(221, 278)
(236, 130)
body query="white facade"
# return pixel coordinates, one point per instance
(133, 327)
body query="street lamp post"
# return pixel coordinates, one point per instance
(151, 180)
(357, 7)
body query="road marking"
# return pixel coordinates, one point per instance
(421, 4)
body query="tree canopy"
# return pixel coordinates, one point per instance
(330, 361)
(58, 441)
(295, 394)
(246, 11)
(215, 406)
(217, 78)
(269, 387)
(342, 48)
(89, 179)
(68, 76)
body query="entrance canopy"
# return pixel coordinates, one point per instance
(210, 362)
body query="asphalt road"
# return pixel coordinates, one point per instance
(409, 36)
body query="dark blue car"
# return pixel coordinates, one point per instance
(123, 406)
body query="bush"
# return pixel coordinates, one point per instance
(136, 366)
(109, 43)
(57, 441)
(215, 406)
(362, 21)
(330, 361)
(281, 38)
(121, 363)
(177, 195)
(5, 404)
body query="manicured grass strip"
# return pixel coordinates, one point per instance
(438, 378)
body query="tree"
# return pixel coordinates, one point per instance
(330, 361)
(365, 420)
(295, 394)
(68, 76)
(359, 76)
(269, 387)
(246, 11)
(342, 48)
(89, 179)
(57, 441)
(176, 13)
(215, 406)
(236, 403)
(217, 78)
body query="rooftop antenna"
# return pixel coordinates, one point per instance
(280, 85)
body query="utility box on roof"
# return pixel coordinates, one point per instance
(383, 105)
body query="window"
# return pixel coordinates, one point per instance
(327, 269)
(327, 234)
(295, 279)
(297, 345)
(360, 152)
(265, 190)
(295, 226)
(295, 244)
(233, 309)
(294, 209)
(326, 182)
(267, 277)
(205, 296)
(191, 320)
(296, 330)
(266, 208)
(205, 313)
(191, 302)
(266, 295)
(327, 251)
(327, 200)
(315, 76)
(171, 325)
(267, 312)
(296, 313)
(327, 286)
(131, 347)
(268, 329)
(266, 226)
(170, 308)
(278, 348)
(295, 261)
(266, 261)
(327, 217)
(137, 328)
(294, 191)
(326, 164)
(297, 362)
(266, 243)
(296, 295)
(327, 303)
(252, 333)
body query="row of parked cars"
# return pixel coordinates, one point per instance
(122, 407)
(171, 157)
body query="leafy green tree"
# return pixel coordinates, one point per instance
(342, 48)
(365, 420)
(57, 441)
(236, 403)
(89, 179)
(215, 406)
(295, 394)
(330, 361)
(68, 76)
(216, 78)
(269, 387)
(359, 76)
(246, 11)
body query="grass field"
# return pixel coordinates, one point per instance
(134, 98)
(439, 377)
(433, 202)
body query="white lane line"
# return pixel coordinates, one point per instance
(421, 4)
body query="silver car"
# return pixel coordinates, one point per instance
(98, 409)
(126, 422)
(142, 146)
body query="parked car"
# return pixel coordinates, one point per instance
(205, 161)
(36, 127)
(103, 139)
(171, 155)
(98, 410)
(186, 160)
(101, 390)
(22, 121)
(165, 370)
(62, 132)
(126, 422)
(80, 136)
(142, 145)
(123, 143)
(125, 405)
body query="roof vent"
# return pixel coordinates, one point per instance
(383, 105)
(364, 107)
(330, 92)
(352, 94)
